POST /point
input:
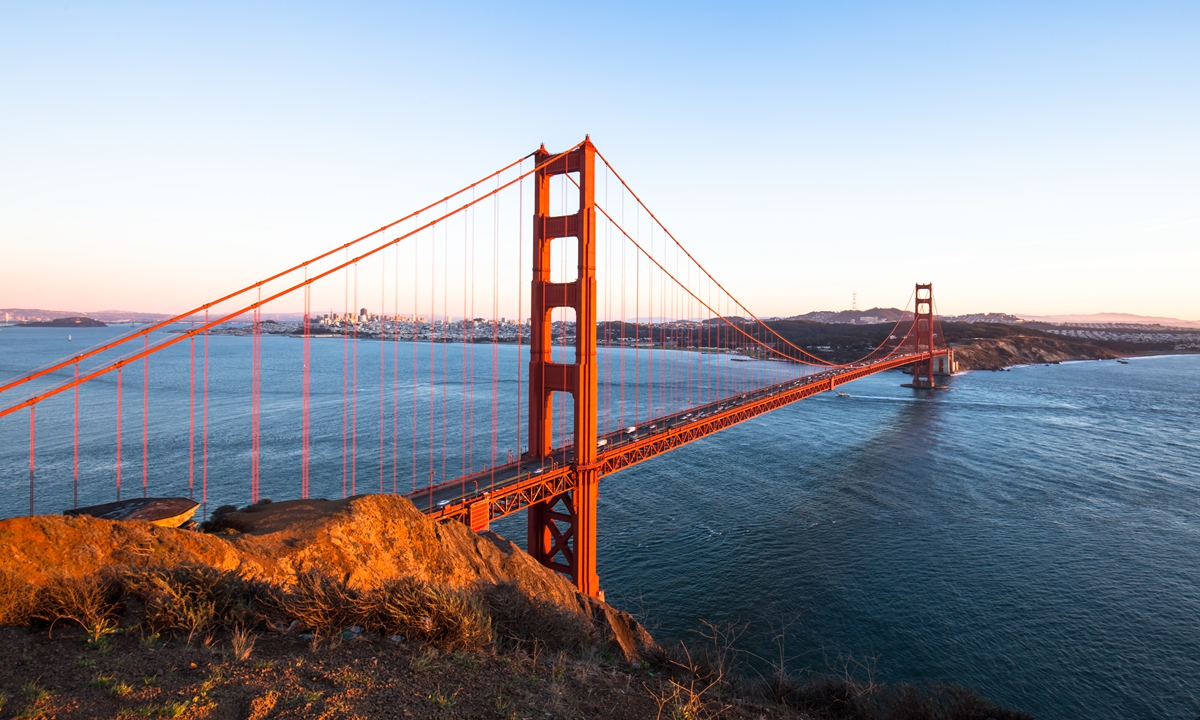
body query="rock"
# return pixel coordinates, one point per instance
(365, 540)
(999, 353)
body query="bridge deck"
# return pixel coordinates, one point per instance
(492, 494)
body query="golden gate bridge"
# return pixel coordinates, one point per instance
(627, 347)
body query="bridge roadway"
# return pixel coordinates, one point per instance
(503, 490)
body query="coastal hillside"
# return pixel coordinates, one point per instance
(999, 353)
(977, 345)
(364, 542)
(362, 608)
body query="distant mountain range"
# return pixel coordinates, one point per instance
(891, 315)
(852, 317)
(1112, 318)
(873, 316)
(20, 315)
(109, 316)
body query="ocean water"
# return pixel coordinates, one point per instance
(1033, 534)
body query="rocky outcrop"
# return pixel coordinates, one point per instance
(366, 541)
(999, 353)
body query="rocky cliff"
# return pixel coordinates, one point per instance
(366, 541)
(999, 353)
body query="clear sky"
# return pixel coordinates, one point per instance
(1039, 158)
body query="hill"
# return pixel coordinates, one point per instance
(978, 345)
(113, 316)
(1112, 319)
(67, 322)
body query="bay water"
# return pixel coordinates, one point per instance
(1033, 534)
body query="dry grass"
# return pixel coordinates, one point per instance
(323, 605)
(193, 600)
(16, 598)
(698, 679)
(829, 697)
(196, 601)
(519, 620)
(851, 692)
(449, 619)
(90, 602)
(241, 643)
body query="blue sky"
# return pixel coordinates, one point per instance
(1038, 158)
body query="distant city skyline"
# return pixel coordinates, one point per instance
(1033, 159)
(25, 314)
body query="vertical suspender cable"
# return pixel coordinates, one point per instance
(354, 393)
(119, 372)
(146, 420)
(32, 444)
(445, 345)
(345, 376)
(395, 369)
(204, 450)
(192, 422)
(520, 298)
(416, 362)
(306, 391)
(624, 267)
(495, 330)
(255, 399)
(432, 351)
(382, 349)
(654, 356)
(75, 444)
(469, 229)
(637, 326)
(468, 346)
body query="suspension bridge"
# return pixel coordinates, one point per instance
(478, 389)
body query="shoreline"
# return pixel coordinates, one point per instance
(1137, 356)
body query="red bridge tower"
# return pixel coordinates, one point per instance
(924, 371)
(562, 530)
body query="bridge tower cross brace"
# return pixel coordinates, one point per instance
(565, 539)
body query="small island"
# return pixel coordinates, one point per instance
(67, 322)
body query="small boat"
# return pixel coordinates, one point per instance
(1123, 362)
(843, 394)
(167, 512)
(68, 338)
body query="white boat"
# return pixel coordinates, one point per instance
(843, 394)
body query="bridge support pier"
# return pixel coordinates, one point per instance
(944, 365)
(562, 529)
